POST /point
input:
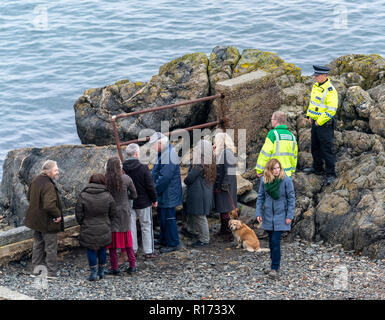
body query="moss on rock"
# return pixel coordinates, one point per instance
(253, 59)
(370, 67)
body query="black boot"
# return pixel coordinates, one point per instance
(329, 179)
(312, 170)
(225, 231)
(93, 276)
(222, 230)
(101, 271)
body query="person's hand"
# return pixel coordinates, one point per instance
(259, 175)
(155, 204)
(316, 123)
(259, 219)
(310, 120)
(57, 220)
(288, 221)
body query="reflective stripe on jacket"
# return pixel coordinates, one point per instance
(281, 144)
(323, 102)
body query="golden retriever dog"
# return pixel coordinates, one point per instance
(245, 236)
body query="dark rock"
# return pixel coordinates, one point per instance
(182, 79)
(76, 164)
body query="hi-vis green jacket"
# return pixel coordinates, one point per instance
(281, 144)
(323, 102)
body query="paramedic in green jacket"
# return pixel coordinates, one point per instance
(281, 144)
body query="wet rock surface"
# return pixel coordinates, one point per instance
(182, 79)
(219, 271)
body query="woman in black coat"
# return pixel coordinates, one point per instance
(199, 200)
(94, 212)
(225, 188)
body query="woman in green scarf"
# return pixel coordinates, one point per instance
(275, 209)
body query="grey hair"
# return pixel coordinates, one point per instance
(47, 166)
(279, 116)
(131, 149)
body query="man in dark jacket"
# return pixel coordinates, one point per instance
(168, 184)
(147, 198)
(45, 217)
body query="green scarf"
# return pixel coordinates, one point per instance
(273, 188)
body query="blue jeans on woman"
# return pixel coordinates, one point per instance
(93, 257)
(275, 249)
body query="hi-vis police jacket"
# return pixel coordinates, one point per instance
(280, 144)
(323, 102)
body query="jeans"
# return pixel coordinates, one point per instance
(275, 249)
(168, 228)
(93, 257)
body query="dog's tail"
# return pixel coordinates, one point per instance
(263, 250)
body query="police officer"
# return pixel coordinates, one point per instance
(281, 144)
(322, 108)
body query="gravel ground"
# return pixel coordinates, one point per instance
(219, 271)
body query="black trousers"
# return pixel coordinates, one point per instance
(322, 147)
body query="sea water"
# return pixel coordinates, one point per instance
(51, 51)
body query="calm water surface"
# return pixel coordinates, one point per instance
(51, 51)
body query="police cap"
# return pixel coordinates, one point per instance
(318, 70)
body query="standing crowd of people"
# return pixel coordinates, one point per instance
(111, 202)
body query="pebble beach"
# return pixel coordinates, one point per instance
(309, 271)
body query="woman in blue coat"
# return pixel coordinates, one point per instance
(275, 208)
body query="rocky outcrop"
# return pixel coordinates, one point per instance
(351, 211)
(287, 74)
(367, 71)
(182, 79)
(222, 62)
(377, 114)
